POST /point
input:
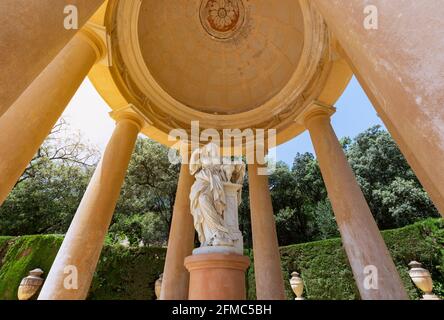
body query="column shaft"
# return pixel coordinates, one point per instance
(399, 66)
(84, 240)
(361, 238)
(29, 120)
(33, 33)
(267, 261)
(180, 243)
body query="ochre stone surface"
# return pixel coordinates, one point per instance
(32, 34)
(401, 67)
(360, 235)
(260, 68)
(217, 276)
(238, 74)
(84, 240)
(30, 119)
(267, 263)
(180, 242)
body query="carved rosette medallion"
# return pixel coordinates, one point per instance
(222, 19)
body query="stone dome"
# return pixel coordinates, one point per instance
(226, 63)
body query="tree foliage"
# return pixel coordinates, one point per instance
(147, 198)
(49, 191)
(394, 194)
(47, 195)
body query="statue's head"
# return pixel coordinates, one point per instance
(210, 150)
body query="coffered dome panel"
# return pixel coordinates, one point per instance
(221, 56)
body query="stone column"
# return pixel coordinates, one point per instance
(29, 120)
(267, 261)
(33, 33)
(367, 253)
(400, 67)
(77, 258)
(180, 243)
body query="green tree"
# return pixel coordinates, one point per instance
(392, 190)
(45, 203)
(48, 193)
(404, 202)
(147, 229)
(326, 226)
(147, 195)
(307, 175)
(294, 219)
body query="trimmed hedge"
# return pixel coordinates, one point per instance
(130, 273)
(127, 273)
(122, 273)
(327, 274)
(23, 254)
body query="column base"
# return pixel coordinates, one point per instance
(217, 276)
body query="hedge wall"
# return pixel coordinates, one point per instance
(327, 275)
(122, 273)
(130, 273)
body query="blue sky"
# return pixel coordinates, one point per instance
(354, 114)
(87, 113)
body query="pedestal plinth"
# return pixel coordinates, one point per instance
(217, 276)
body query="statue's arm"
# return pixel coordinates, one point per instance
(195, 163)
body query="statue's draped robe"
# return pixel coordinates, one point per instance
(208, 203)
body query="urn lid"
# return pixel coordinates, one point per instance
(415, 264)
(36, 272)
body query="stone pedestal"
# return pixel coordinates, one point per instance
(217, 276)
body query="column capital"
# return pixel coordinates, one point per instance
(315, 109)
(95, 41)
(130, 113)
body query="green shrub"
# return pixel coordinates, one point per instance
(127, 273)
(327, 274)
(130, 273)
(24, 254)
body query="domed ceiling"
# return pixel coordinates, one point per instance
(229, 64)
(221, 56)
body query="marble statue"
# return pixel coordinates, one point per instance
(214, 214)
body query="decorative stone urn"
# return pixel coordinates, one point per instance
(422, 279)
(158, 286)
(297, 284)
(30, 285)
